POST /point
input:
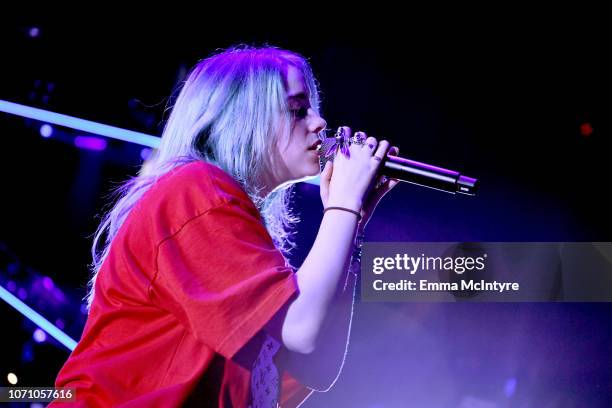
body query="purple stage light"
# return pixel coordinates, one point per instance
(48, 283)
(39, 335)
(90, 143)
(27, 355)
(510, 387)
(11, 286)
(22, 294)
(46, 130)
(145, 153)
(34, 32)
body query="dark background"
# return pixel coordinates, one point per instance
(507, 102)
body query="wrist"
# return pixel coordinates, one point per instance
(352, 204)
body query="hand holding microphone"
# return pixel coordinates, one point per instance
(396, 167)
(348, 179)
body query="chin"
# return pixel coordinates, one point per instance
(309, 172)
(315, 170)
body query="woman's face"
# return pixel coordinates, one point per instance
(297, 153)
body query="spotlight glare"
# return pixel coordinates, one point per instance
(39, 335)
(510, 387)
(48, 283)
(586, 129)
(12, 286)
(145, 153)
(22, 294)
(46, 130)
(12, 378)
(34, 32)
(90, 143)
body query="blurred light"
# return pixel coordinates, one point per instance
(11, 286)
(145, 153)
(13, 268)
(48, 283)
(22, 294)
(90, 143)
(12, 378)
(84, 309)
(586, 129)
(27, 355)
(39, 336)
(38, 320)
(46, 130)
(510, 387)
(36, 405)
(60, 323)
(34, 32)
(79, 124)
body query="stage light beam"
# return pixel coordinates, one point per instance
(37, 319)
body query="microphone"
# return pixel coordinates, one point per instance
(406, 170)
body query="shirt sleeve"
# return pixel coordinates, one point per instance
(222, 276)
(293, 393)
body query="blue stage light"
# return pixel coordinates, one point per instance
(37, 319)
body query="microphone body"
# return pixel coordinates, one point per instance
(409, 171)
(426, 175)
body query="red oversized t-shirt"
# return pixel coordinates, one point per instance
(191, 278)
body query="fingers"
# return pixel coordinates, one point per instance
(381, 151)
(357, 146)
(383, 186)
(327, 171)
(360, 135)
(325, 180)
(346, 132)
(370, 144)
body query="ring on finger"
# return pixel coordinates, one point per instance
(358, 138)
(355, 141)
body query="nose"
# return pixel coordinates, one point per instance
(317, 124)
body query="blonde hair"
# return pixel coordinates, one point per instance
(230, 111)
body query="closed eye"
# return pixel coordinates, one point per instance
(300, 113)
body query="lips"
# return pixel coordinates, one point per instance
(315, 145)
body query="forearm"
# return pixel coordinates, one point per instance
(320, 278)
(320, 369)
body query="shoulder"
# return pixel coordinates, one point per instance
(199, 177)
(201, 181)
(190, 190)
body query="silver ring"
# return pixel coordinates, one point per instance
(358, 140)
